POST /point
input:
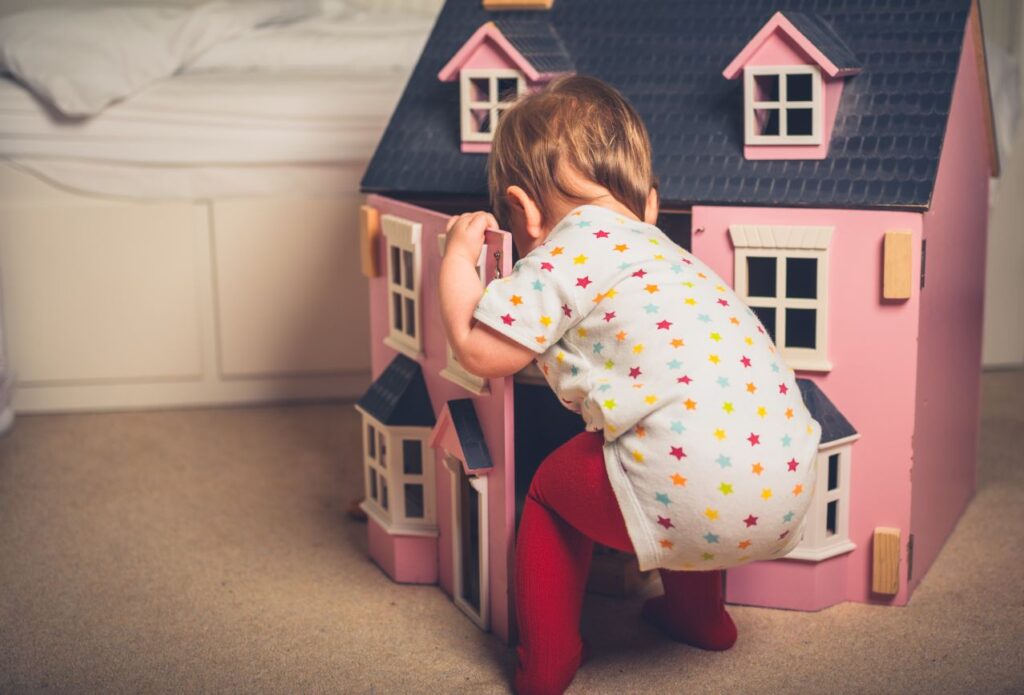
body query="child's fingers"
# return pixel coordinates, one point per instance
(466, 232)
(481, 221)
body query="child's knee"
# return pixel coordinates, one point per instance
(535, 492)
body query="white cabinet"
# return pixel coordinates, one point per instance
(111, 304)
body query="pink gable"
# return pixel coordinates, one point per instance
(488, 48)
(779, 23)
(445, 437)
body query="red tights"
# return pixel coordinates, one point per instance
(569, 506)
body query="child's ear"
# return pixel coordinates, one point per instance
(524, 207)
(651, 209)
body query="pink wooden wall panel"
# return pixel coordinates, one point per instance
(494, 411)
(872, 347)
(406, 558)
(952, 306)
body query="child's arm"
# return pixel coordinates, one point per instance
(478, 348)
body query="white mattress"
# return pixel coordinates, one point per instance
(212, 118)
(246, 122)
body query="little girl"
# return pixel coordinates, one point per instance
(698, 453)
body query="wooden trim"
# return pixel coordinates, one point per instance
(898, 260)
(885, 571)
(369, 240)
(518, 4)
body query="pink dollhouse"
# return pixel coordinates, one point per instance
(832, 163)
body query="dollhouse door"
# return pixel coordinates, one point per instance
(469, 542)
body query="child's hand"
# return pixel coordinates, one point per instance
(465, 234)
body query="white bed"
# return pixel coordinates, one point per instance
(196, 242)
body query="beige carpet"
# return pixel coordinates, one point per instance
(209, 551)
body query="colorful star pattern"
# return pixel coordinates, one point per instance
(649, 344)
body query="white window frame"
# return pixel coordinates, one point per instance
(751, 105)
(392, 476)
(782, 242)
(479, 484)
(454, 371)
(404, 236)
(492, 103)
(816, 544)
(375, 475)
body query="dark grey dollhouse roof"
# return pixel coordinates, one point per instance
(667, 57)
(834, 425)
(399, 396)
(538, 41)
(471, 437)
(819, 32)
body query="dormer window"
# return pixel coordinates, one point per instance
(486, 94)
(504, 58)
(793, 72)
(783, 105)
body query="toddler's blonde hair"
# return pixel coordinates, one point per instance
(577, 122)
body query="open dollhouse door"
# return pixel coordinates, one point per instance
(471, 590)
(473, 439)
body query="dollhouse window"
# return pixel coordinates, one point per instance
(486, 95)
(374, 457)
(782, 275)
(784, 105)
(399, 459)
(403, 278)
(453, 371)
(412, 469)
(827, 527)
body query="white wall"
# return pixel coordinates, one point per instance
(1003, 340)
(5, 382)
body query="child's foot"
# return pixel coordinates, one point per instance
(717, 634)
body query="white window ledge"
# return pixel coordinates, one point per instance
(397, 529)
(455, 377)
(819, 554)
(406, 350)
(807, 364)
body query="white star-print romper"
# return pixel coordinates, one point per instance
(709, 447)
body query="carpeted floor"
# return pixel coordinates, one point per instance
(209, 551)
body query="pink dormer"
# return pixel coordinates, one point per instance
(501, 60)
(793, 73)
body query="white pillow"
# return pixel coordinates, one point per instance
(82, 59)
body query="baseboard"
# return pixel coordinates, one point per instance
(67, 398)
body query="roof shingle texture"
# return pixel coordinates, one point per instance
(667, 57)
(471, 436)
(399, 397)
(536, 39)
(834, 425)
(819, 32)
